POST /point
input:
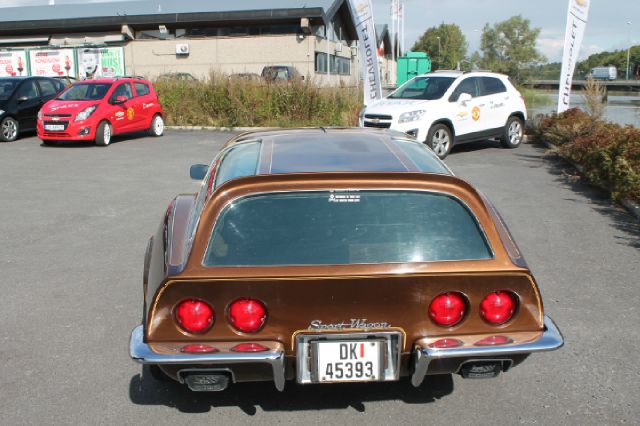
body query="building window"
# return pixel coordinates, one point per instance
(338, 65)
(321, 62)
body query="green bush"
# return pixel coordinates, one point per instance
(225, 102)
(609, 153)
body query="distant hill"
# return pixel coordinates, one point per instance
(616, 58)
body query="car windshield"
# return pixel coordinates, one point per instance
(7, 87)
(85, 92)
(423, 88)
(345, 227)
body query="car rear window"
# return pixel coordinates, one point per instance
(493, 86)
(141, 89)
(345, 227)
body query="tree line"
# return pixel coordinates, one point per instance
(509, 47)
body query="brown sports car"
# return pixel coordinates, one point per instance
(326, 255)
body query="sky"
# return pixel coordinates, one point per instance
(613, 24)
(607, 28)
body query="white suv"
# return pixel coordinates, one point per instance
(446, 108)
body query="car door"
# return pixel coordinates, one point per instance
(498, 102)
(28, 103)
(144, 103)
(468, 118)
(122, 115)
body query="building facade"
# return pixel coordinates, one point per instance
(199, 38)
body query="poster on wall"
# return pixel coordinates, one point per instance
(13, 63)
(94, 62)
(53, 63)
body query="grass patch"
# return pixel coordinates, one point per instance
(534, 97)
(221, 102)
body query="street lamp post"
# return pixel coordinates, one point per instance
(439, 49)
(628, 54)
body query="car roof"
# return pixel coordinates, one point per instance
(20, 77)
(457, 74)
(113, 80)
(320, 150)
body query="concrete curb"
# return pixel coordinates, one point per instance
(632, 207)
(219, 129)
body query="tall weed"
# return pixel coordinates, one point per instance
(224, 102)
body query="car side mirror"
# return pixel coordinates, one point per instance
(22, 99)
(198, 171)
(119, 100)
(464, 98)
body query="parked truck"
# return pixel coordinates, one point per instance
(604, 73)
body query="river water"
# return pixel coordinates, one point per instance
(624, 110)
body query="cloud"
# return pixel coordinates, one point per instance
(552, 48)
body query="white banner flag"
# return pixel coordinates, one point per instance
(577, 18)
(362, 13)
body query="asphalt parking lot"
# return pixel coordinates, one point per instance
(74, 222)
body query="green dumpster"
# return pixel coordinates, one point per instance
(415, 63)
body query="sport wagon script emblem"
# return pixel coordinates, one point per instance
(353, 323)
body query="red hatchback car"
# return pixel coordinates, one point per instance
(95, 110)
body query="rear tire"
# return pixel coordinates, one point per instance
(513, 133)
(157, 126)
(440, 140)
(103, 134)
(9, 129)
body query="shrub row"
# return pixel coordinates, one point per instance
(609, 153)
(222, 102)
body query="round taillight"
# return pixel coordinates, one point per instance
(194, 316)
(247, 315)
(498, 307)
(447, 309)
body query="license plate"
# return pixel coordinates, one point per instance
(343, 361)
(54, 127)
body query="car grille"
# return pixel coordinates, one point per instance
(377, 121)
(58, 115)
(56, 123)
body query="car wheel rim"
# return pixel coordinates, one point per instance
(9, 129)
(440, 142)
(158, 125)
(515, 133)
(107, 134)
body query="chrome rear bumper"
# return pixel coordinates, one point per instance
(144, 354)
(550, 340)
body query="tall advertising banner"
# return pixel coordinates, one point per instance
(53, 62)
(94, 62)
(577, 18)
(362, 13)
(13, 63)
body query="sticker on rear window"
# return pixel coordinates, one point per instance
(343, 197)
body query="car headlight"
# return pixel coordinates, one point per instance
(408, 117)
(1, 111)
(40, 114)
(85, 113)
